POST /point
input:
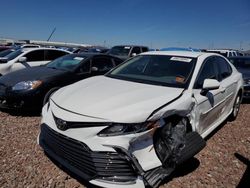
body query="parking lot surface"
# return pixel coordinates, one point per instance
(224, 162)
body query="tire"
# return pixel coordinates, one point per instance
(48, 94)
(194, 144)
(236, 108)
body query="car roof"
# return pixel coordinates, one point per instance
(32, 49)
(221, 50)
(130, 46)
(91, 54)
(176, 53)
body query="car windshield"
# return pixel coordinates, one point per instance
(241, 63)
(164, 70)
(68, 62)
(14, 54)
(6, 52)
(120, 50)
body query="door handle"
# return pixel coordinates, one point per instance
(223, 89)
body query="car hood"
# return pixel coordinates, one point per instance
(32, 73)
(113, 99)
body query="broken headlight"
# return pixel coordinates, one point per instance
(117, 129)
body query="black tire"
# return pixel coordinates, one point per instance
(48, 94)
(236, 108)
(194, 144)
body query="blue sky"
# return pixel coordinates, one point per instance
(155, 23)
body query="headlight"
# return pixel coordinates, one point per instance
(27, 85)
(247, 81)
(125, 128)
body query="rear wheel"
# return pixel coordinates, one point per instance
(236, 108)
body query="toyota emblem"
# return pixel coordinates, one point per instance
(61, 124)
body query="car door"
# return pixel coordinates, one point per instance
(82, 71)
(135, 51)
(103, 65)
(209, 105)
(228, 84)
(33, 59)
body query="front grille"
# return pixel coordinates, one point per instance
(96, 165)
(70, 124)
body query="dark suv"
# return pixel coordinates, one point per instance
(126, 51)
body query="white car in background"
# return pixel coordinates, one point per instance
(225, 53)
(28, 57)
(134, 125)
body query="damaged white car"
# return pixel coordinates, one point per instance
(134, 125)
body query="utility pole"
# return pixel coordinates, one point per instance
(51, 33)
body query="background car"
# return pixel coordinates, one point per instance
(28, 57)
(126, 51)
(242, 63)
(135, 124)
(29, 88)
(2, 48)
(180, 49)
(6, 52)
(225, 52)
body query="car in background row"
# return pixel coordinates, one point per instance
(225, 53)
(242, 63)
(180, 49)
(134, 125)
(2, 48)
(28, 57)
(126, 51)
(28, 88)
(6, 52)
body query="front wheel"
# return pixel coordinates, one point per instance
(236, 108)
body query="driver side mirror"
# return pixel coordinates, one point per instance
(210, 84)
(133, 54)
(94, 69)
(22, 59)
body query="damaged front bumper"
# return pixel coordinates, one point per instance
(135, 160)
(106, 169)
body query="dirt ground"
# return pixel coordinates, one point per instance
(224, 162)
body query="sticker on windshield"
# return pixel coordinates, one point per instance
(78, 58)
(126, 47)
(183, 59)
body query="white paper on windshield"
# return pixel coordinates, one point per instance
(78, 58)
(183, 59)
(126, 47)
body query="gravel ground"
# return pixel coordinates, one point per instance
(224, 162)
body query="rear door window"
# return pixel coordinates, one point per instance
(136, 50)
(53, 54)
(225, 69)
(37, 55)
(102, 63)
(144, 49)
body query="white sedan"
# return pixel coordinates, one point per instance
(134, 125)
(26, 57)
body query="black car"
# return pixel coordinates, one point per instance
(242, 63)
(30, 88)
